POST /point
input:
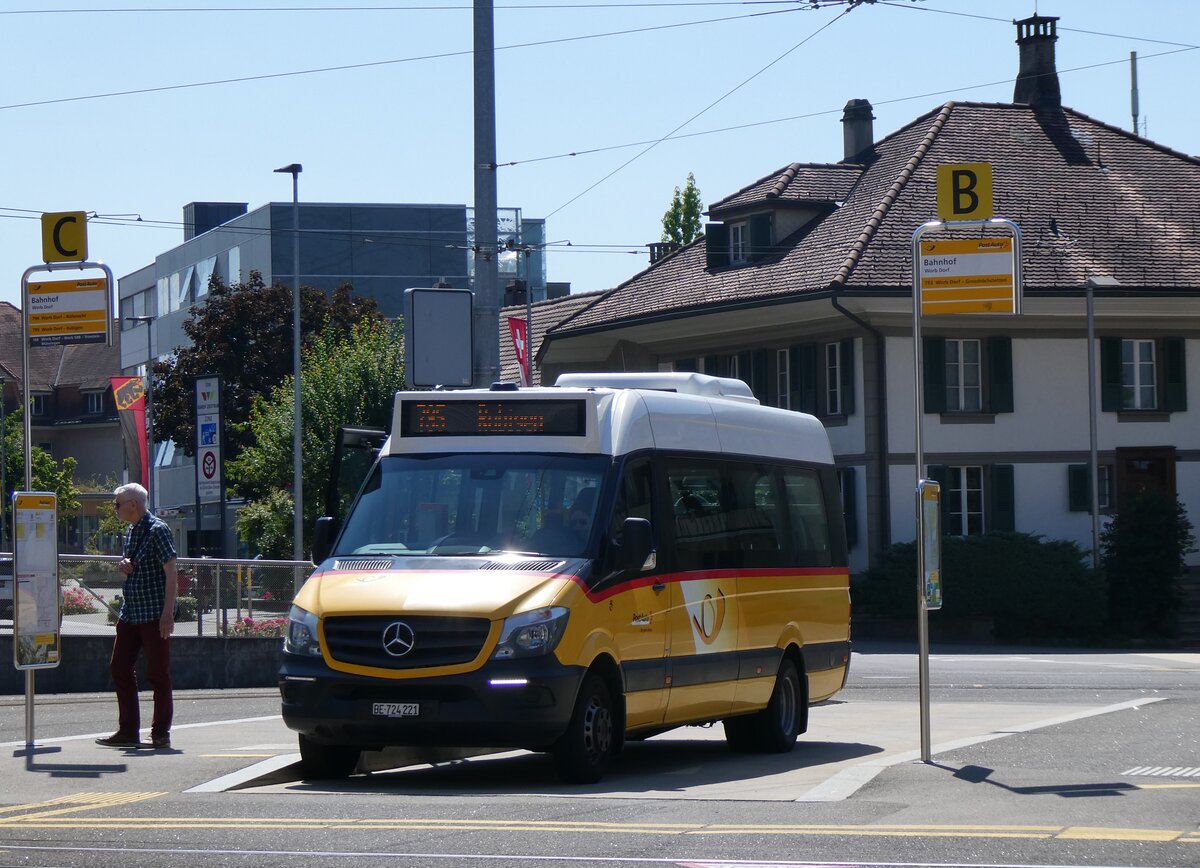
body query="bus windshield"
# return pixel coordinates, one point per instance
(475, 503)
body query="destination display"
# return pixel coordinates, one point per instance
(542, 418)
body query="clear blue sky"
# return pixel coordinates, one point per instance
(213, 97)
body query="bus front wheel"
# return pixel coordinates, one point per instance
(585, 750)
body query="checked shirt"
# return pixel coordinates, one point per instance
(149, 545)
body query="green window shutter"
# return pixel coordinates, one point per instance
(934, 374)
(804, 377)
(849, 506)
(1174, 374)
(1000, 377)
(847, 376)
(1003, 498)
(716, 245)
(760, 236)
(1110, 374)
(688, 365)
(1079, 488)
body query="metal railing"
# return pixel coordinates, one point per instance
(218, 597)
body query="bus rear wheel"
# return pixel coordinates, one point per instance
(774, 729)
(327, 761)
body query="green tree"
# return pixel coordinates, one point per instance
(681, 222)
(46, 473)
(1142, 550)
(346, 379)
(243, 334)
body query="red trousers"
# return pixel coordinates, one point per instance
(132, 639)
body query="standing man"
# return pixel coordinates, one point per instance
(146, 620)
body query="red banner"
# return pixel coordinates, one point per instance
(129, 393)
(520, 338)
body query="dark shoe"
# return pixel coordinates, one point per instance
(117, 740)
(161, 742)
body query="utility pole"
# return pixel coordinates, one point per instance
(485, 363)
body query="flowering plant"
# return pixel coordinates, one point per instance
(76, 601)
(266, 628)
(267, 595)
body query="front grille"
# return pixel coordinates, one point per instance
(437, 640)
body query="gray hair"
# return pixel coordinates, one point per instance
(139, 494)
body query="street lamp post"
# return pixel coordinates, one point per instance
(294, 169)
(148, 321)
(1094, 462)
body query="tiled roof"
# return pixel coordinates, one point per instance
(798, 182)
(87, 366)
(1090, 198)
(546, 315)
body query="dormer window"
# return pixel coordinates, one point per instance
(739, 242)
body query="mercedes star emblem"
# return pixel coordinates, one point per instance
(398, 638)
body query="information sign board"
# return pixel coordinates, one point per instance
(974, 275)
(68, 312)
(37, 604)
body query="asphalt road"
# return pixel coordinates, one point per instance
(1039, 758)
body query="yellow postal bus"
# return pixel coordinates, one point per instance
(564, 568)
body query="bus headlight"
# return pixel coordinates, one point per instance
(531, 634)
(302, 633)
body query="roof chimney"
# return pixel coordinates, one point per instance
(1037, 79)
(858, 133)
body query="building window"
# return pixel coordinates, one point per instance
(962, 497)
(39, 404)
(833, 379)
(739, 243)
(964, 387)
(1143, 374)
(1079, 487)
(1138, 375)
(967, 375)
(94, 403)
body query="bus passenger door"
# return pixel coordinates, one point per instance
(703, 620)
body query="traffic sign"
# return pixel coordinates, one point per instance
(964, 191)
(64, 236)
(968, 276)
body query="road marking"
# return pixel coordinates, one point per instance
(1164, 771)
(847, 782)
(36, 811)
(92, 736)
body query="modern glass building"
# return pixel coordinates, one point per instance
(379, 249)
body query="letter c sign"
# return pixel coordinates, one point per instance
(64, 237)
(964, 191)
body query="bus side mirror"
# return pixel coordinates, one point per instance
(324, 533)
(637, 543)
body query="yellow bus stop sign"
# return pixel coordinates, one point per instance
(64, 237)
(964, 191)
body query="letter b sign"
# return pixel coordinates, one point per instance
(964, 191)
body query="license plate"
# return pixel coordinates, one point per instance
(396, 709)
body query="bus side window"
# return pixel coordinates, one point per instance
(806, 514)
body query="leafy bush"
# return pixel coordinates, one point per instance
(266, 628)
(185, 608)
(114, 608)
(1142, 550)
(77, 601)
(1033, 589)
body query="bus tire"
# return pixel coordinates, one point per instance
(327, 761)
(583, 753)
(774, 728)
